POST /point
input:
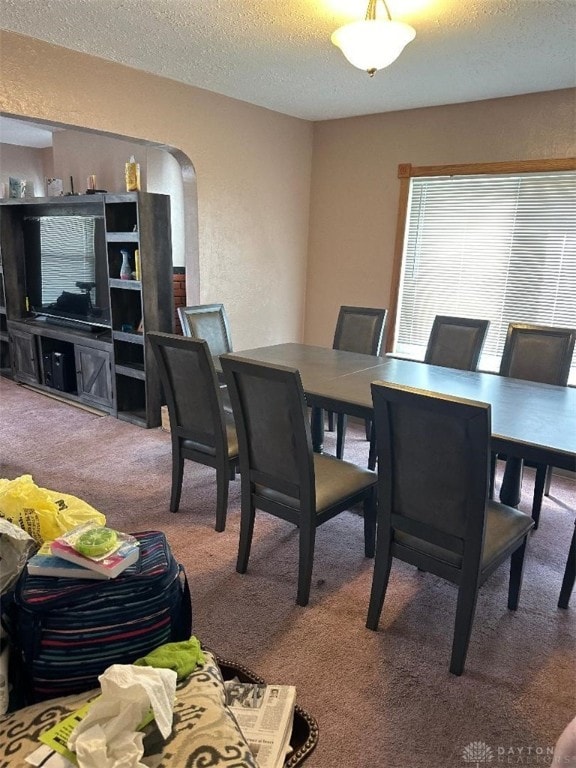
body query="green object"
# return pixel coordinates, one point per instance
(96, 542)
(182, 657)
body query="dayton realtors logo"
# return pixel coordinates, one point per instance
(479, 754)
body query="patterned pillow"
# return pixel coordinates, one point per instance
(204, 731)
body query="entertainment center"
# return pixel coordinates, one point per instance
(69, 322)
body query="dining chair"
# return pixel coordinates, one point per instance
(209, 322)
(280, 473)
(456, 342)
(358, 329)
(433, 457)
(540, 353)
(201, 430)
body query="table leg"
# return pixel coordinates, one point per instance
(317, 424)
(511, 488)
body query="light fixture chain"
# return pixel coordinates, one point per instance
(371, 10)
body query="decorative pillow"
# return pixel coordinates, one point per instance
(204, 731)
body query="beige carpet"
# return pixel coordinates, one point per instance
(381, 699)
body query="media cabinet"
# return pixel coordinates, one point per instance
(107, 365)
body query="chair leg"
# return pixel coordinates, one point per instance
(330, 421)
(372, 453)
(305, 562)
(341, 423)
(539, 486)
(247, 516)
(382, 566)
(368, 428)
(370, 523)
(222, 480)
(548, 481)
(465, 610)
(516, 573)
(177, 475)
(493, 457)
(569, 574)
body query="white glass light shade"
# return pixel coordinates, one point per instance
(374, 43)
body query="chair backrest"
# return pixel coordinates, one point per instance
(360, 329)
(538, 353)
(433, 453)
(208, 322)
(191, 389)
(456, 342)
(274, 440)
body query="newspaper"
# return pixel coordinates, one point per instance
(265, 714)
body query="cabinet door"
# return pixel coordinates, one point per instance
(23, 348)
(93, 368)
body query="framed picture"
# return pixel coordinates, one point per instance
(54, 187)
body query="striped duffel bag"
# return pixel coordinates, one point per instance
(65, 632)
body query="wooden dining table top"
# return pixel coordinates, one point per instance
(532, 421)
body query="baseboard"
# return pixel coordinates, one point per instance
(65, 400)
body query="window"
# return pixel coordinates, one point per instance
(498, 246)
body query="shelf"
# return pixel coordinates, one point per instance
(133, 338)
(134, 417)
(127, 285)
(122, 217)
(122, 237)
(132, 371)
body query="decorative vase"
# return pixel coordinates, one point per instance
(125, 269)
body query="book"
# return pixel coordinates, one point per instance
(44, 563)
(265, 715)
(123, 552)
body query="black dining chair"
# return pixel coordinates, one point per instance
(279, 472)
(358, 329)
(201, 430)
(540, 353)
(208, 322)
(433, 458)
(456, 342)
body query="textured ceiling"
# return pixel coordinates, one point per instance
(278, 54)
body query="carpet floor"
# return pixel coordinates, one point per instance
(382, 699)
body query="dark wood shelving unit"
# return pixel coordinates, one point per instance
(112, 368)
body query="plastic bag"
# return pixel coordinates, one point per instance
(16, 546)
(43, 513)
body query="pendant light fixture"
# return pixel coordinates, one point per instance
(374, 43)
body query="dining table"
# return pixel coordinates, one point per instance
(530, 421)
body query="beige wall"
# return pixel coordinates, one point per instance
(27, 163)
(252, 167)
(354, 199)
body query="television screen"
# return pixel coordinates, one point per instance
(66, 274)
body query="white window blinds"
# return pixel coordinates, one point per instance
(502, 248)
(67, 244)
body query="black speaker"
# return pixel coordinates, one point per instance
(47, 368)
(63, 372)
